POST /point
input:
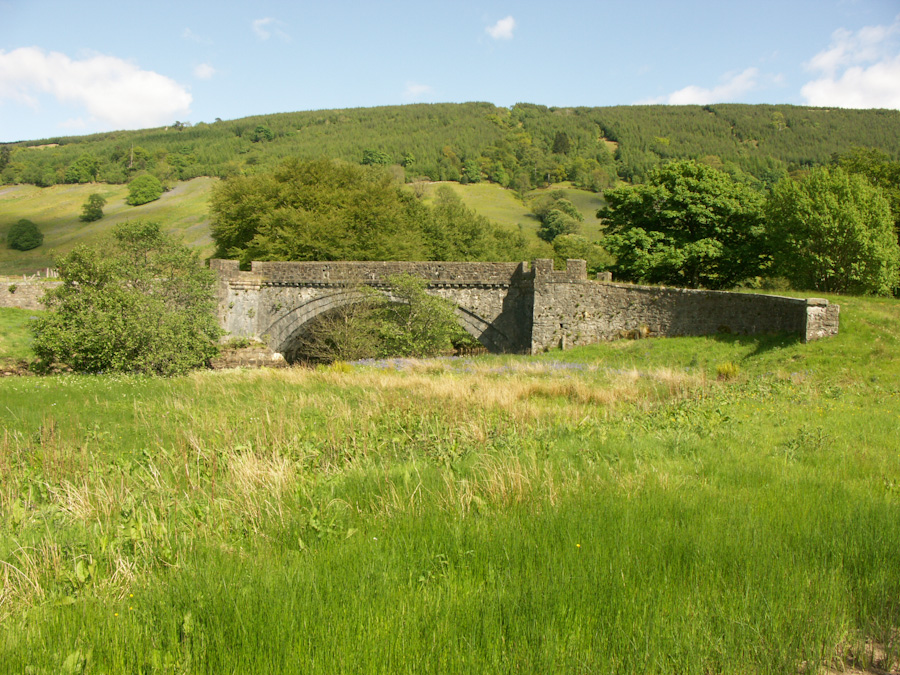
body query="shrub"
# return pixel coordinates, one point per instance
(24, 236)
(142, 303)
(144, 189)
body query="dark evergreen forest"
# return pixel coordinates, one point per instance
(522, 147)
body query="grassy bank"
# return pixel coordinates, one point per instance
(695, 505)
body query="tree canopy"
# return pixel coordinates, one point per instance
(24, 235)
(140, 303)
(833, 232)
(93, 208)
(331, 210)
(689, 225)
(144, 189)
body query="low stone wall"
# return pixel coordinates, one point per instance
(24, 294)
(583, 312)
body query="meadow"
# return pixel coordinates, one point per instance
(686, 505)
(56, 210)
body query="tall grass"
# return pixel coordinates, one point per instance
(613, 509)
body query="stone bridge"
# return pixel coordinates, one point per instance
(508, 307)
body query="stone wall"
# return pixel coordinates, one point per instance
(24, 294)
(570, 310)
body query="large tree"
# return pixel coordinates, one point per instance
(833, 232)
(689, 225)
(139, 303)
(24, 235)
(330, 210)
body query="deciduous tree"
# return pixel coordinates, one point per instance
(689, 225)
(833, 232)
(140, 303)
(24, 236)
(93, 208)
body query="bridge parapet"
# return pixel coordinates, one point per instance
(377, 273)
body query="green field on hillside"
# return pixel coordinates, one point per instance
(722, 504)
(56, 210)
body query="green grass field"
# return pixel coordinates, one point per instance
(56, 210)
(689, 505)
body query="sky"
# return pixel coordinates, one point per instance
(70, 68)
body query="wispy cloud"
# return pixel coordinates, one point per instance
(112, 91)
(732, 88)
(188, 34)
(204, 71)
(858, 70)
(503, 29)
(416, 92)
(267, 27)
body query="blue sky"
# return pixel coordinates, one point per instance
(79, 67)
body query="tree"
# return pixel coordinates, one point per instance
(403, 320)
(24, 236)
(144, 189)
(689, 225)
(261, 133)
(375, 158)
(316, 210)
(833, 232)
(85, 169)
(557, 214)
(93, 208)
(141, 303)
(574, 246)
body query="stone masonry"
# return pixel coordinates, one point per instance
(508, 307)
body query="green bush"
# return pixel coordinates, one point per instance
(144, 189)
(142, 303)
(24, 236)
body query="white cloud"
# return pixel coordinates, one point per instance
(416, 92)
(266, 28)
(204, 71)
(113, 92)
(858, 70)
(730, 90)
(503, 29)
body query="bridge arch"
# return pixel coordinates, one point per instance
(287, 324)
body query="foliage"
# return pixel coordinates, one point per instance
(574, 246)
(516, 147)
(833, 232)
(558, 216)
(93, 208)
(24, 235)
(880, 169)
(144, 189)
(327, 210)
(141, 304)
(690, 225)
(376, 158)
(85, 169)
(262, 133)
(404, 320)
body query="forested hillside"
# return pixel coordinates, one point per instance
(523, 147)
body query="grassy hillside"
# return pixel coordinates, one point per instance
(56, 210)
(615, 508)
(184, 211)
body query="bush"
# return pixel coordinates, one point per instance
(24, 236)
(144, 189)
(142, 303)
